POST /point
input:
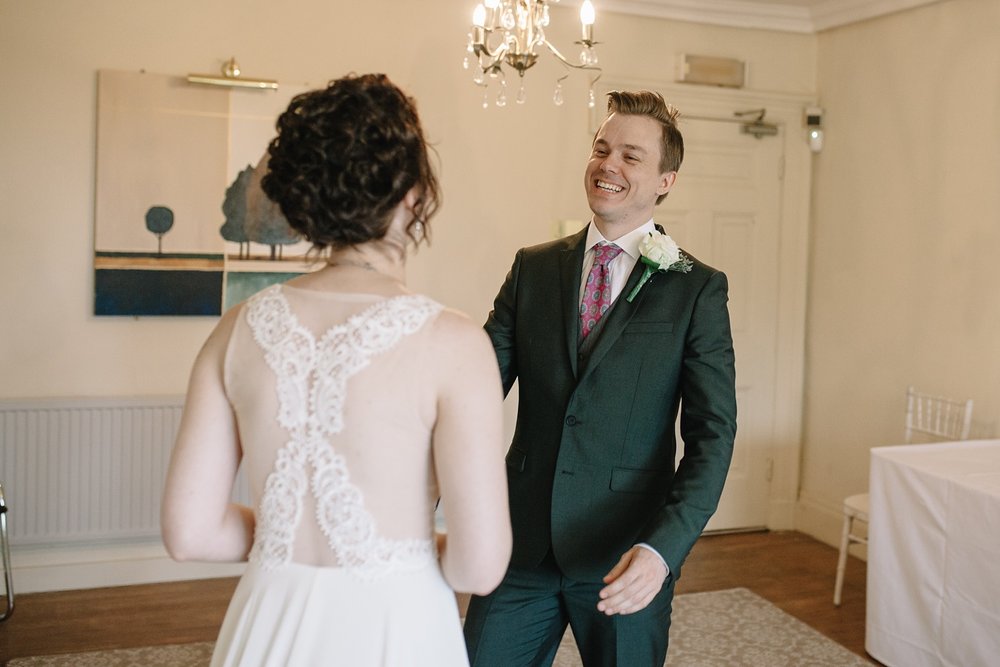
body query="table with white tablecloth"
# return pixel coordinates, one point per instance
(934, 555)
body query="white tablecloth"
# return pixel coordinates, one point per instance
(934, 555)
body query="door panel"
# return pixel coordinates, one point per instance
(725, 210)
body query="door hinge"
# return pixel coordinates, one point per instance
(769, 474)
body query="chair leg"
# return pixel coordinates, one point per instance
(845, 538)
(8, 574)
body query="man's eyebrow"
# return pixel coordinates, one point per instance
(629, 147)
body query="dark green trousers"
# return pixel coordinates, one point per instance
(521, 623)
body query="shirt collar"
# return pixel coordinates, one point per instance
(628, 243)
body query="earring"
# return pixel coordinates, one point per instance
(418, 231)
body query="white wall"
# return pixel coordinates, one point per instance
(904, 285)
(509, 175)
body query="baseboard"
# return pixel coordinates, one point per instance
(824, 521)
(781, 515)
(70, 568)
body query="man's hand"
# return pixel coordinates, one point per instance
(632, 583)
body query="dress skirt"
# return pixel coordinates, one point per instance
(305, 615)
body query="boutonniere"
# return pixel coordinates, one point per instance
(659, 253)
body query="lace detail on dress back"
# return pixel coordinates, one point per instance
(312, 380)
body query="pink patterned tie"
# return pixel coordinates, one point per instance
(597, 292)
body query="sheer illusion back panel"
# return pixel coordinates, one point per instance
(334, 391)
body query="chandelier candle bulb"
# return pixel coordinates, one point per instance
(491, 12)
(587, 20)
(478, 25)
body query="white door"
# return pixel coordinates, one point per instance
(725, 209)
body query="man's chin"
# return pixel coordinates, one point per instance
(601, 206)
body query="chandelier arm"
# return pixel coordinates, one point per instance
(563, 60)
(483, 47)
(500, 73)
(495, 58)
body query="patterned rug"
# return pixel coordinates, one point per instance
(734, 628)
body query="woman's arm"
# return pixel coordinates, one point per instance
(197, 519)
(469, 457)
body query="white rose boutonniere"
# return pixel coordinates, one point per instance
(658, 253)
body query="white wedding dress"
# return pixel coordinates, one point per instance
(335, 418)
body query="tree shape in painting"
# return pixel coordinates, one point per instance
(159, 220)
(235, 209)
(264, 220)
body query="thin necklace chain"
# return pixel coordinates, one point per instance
(364, 265)
(367, 266)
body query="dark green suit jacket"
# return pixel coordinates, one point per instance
(591, 467)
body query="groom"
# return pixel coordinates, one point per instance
(602, 519)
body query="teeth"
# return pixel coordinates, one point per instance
(610, 187)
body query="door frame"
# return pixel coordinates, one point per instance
(785, 110)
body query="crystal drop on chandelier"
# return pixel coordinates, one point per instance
(522, 95)
(557, 96)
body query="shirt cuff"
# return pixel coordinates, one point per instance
(652, 550)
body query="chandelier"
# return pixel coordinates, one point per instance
(510, 33)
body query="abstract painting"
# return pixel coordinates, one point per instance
(181, 226)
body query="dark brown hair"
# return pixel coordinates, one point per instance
(344, 157)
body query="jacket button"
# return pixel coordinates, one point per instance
(571, 421)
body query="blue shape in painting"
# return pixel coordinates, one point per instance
(152, 292)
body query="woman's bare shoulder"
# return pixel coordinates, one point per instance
(454, 325)
(457, 337)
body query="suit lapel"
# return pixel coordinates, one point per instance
(570, 275)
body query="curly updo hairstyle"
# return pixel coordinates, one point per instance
(344, 157)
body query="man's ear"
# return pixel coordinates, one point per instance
(667, 179)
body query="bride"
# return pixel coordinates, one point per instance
(354, 405)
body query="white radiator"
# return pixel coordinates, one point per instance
(86, 471)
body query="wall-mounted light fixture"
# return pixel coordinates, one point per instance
(232, 77)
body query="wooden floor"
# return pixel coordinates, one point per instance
(793, 571)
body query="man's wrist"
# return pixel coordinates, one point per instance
(657, 553)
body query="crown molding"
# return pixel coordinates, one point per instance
(834, 13)
(803, 16)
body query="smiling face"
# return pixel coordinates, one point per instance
(623, 178)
